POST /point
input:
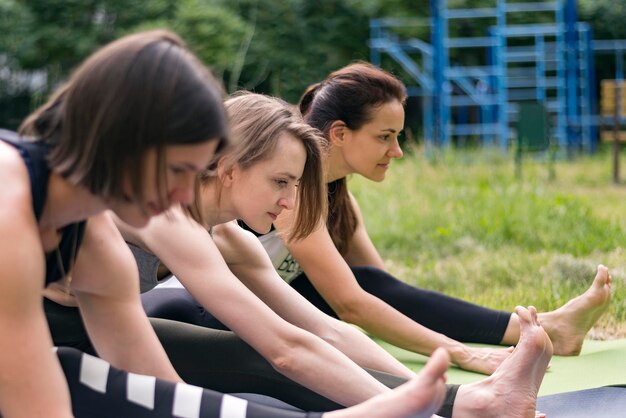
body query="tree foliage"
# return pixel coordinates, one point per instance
(275, 47)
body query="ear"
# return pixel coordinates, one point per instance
(338, 132)
(226, 172)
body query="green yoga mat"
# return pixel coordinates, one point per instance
(600, 363)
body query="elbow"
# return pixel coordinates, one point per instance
(286, 357)
(285, 363)
(352, 310)
(333, 332)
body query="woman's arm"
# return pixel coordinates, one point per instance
(106, 285)
(248, 260)
(190, 253)
(332, 278)
(31, 380)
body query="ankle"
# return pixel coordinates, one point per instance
(474, 400)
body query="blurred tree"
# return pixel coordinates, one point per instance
(605, 16)
(298, 42)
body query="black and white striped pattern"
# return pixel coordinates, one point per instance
(100, 390)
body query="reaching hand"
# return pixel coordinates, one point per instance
(480, 360)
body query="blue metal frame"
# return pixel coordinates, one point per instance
(561, 73)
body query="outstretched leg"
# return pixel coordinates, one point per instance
(418, 398)
(568, 325)
(99, 390)
(455, 318)
(511, 392)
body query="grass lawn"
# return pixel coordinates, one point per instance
(464, 225)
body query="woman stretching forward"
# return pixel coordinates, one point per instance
(359, 109)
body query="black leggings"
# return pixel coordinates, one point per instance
(185, 344)
(456, 318)
(99, 390)
(214, 359)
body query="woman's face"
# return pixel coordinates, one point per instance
(182, 164)
(261, 192)
(369, 150)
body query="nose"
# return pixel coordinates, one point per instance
(183, 191)
(395, 151)
(288, 201)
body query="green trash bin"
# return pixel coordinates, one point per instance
(533, 127)
(533, 133)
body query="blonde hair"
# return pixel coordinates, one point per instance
(256, 124)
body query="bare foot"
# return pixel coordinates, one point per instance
(420, 397)
(511, 392)
(568, 325)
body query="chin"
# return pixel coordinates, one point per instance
(135, 220)
(260, 227)
(376, 177)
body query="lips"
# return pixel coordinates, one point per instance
(272, 215)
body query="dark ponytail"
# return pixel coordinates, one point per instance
(351, 95)
(307, 97)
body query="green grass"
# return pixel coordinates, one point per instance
(464, 225)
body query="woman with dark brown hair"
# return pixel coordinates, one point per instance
(108, 139)
(360, 110)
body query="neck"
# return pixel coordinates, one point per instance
(216, 205)
(336, 166)
(67, 203)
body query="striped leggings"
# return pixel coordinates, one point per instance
(99, 390)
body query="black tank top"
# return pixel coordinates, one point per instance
(34, 155)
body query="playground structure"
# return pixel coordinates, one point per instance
(548, 59)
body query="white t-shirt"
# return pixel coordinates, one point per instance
(284, 263)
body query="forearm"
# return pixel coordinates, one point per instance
(366, 353)
(325, 370)
(124, 337)
(379, 319)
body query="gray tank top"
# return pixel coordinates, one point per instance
(148, 265)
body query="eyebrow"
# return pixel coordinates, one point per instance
(186, 165)
(288, 175)
(393, 131)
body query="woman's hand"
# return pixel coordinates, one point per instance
(480, 360)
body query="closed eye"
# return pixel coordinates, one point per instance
(176, 170)
(281, 182)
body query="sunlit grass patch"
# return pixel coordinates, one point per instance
(466, 226)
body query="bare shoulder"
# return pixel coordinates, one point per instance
(16, 214)
(15, 190)
(235, 243)
(102, 241)
(20, 246)
(103, 259)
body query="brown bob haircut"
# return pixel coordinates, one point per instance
(351, 95)
(143, 91)
(256, 124)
